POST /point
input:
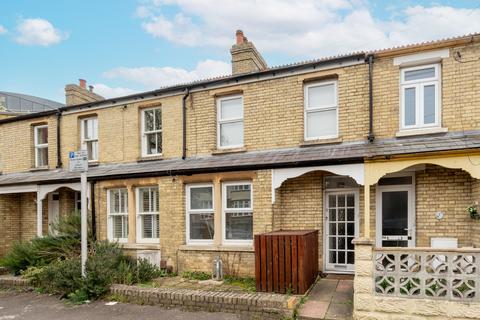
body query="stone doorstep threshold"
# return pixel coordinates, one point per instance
(266, 305)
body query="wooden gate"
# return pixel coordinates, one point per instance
(286, 261)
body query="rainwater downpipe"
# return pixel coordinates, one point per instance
(371, 136)
(184, 123)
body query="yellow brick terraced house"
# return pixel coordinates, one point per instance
(379, 151)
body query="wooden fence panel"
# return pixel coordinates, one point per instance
(286, 261)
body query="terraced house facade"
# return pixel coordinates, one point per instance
(379, 151)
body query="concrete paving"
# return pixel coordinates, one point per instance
(31, 306)
(331, 298)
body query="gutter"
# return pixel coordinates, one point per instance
(371, 135)
(184, 123)
(59, 154)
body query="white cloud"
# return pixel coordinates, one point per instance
(150, 78)
(155, 77)
(309, 28)
(112, 92)
(2, 30)
(38, 32)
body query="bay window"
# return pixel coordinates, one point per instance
(420, 96)
(117, 204)
(41, 146)
(148, 217)
(200, 214)
(321, 110)
(230, 122)
(237, 212)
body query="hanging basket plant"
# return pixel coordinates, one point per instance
(473, 211)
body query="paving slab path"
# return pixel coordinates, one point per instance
(331, 298)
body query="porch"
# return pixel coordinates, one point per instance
(417, 254)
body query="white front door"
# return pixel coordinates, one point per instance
(53, 210)
(396, 216)
(340, 228)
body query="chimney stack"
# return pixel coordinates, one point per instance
(245, 57)
(79, 94)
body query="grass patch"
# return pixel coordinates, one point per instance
(248, 284)
(196, 275)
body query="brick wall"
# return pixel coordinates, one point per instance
(448, 191)
(9, 221)
(475, 234)
(17, 144)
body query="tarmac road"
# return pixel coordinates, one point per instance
(32, 306)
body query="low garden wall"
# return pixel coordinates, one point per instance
(415, 283)
(255, 305)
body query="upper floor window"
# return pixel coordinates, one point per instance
(321, 110)
(148, 217)
(117, 203)
(200, 214)
(420, 96)
(230, 122)
(89, 137)
(237, 213)
(41, 146)
(152, 132)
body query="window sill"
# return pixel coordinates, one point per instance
(93, 163)
(142, 246)
(45, 168)
(225, 248)
(227, 151)
(308, 143)
(420, 131)
(150, 158)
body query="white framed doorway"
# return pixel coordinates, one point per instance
(341, 225)
(395, 213)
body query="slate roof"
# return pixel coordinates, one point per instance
(291, 157)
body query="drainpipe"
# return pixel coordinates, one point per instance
(184, 123)
(369, 59)
(94, 219)
(59, 155)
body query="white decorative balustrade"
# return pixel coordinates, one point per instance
(429, 273)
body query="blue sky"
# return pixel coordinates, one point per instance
(132, 45)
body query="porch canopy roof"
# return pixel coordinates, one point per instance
(281, 158)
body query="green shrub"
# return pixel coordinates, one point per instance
(196, 275)
(52, 264)
(147, 271)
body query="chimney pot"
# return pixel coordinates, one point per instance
(82, 83)
(240, 37)
(90, 88)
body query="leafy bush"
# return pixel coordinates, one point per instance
(196, 275)
(52, 264)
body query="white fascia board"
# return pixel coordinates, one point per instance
(421, 58)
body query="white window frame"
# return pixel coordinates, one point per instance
(38, 146)
(144, 133)
(419, 97)
(190, 211)
(221, 121)
(328, 107)
(140, 239)
(225, 210)
(110, 215)
(84, 141)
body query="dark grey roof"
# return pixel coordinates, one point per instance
(301, 156)
(23, 103)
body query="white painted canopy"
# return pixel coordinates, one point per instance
(355, 171)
